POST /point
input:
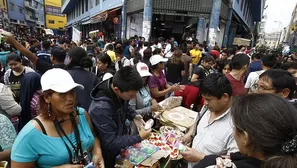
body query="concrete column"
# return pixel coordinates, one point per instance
(214, 22)
(231, 35)
(124, 20)
(227, 28)
(147, 19)
(200, 30)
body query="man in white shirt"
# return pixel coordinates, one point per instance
(267, 62)
(168, 48)
(145, 46)
(213, 133)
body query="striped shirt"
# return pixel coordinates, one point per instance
(216, 137)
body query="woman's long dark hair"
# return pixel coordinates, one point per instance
(30, 84)
(79, 57)
(270, 123)
(105, 59)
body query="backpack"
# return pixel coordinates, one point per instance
(44, 56)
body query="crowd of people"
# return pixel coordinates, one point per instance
(65, 104)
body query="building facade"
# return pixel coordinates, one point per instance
(177, 18)
(4, 21)
(54, 19)
(261, 40)
(40, 23)
(89, 15)
(34, 15)
(16, 14)
(272, 40)
(291, 34)
(194, 18)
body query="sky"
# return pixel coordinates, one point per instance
(279, 11)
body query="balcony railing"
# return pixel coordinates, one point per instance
(31, 18)
(30, 5)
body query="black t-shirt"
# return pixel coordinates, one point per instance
(174, 72)
(15, 85)
(42, 66)
(201, 72)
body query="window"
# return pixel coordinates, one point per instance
(244, 9)
(247, 9)
(20, 9)
(87, 5)
(82, 7)
(97, 2)
(60, 21)
(242, 3)
(12, 6)
(53, 10)
(91, 4)
(51, 21)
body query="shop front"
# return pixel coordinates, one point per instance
(108, 22)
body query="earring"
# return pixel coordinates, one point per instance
(49, 109)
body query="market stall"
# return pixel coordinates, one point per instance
(163, 146)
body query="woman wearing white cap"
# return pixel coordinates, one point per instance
(143, 103)
(62, 135)
(157, 82)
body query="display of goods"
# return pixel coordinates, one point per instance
(160, 141)
(181, 116)
(149, 124)
(165, 130)
(137, 153)
(171, 102)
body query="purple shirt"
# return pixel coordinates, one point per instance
(158, 82)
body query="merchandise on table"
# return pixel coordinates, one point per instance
(171, 102)
(138, 152)
(165, 130)
(149, 124)
(181, 116)
(160, 141)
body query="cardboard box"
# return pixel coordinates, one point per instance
(155, 161)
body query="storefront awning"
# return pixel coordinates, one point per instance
(101, 17)
(86, 22)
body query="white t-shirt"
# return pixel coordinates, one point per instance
(167, 51)
(253, 79)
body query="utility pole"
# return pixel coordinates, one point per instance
(124, 20)
(214, 22)
(147, 19)
(200, 29)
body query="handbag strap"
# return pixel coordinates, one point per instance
(41, 125)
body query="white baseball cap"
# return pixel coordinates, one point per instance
(156, 59)
(143, 69)
(58, 80)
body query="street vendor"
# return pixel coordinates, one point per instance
(213, 132)
(112, 116)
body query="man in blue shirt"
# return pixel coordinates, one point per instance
(256, 64)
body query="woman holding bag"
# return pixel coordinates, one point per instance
(62, 135)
